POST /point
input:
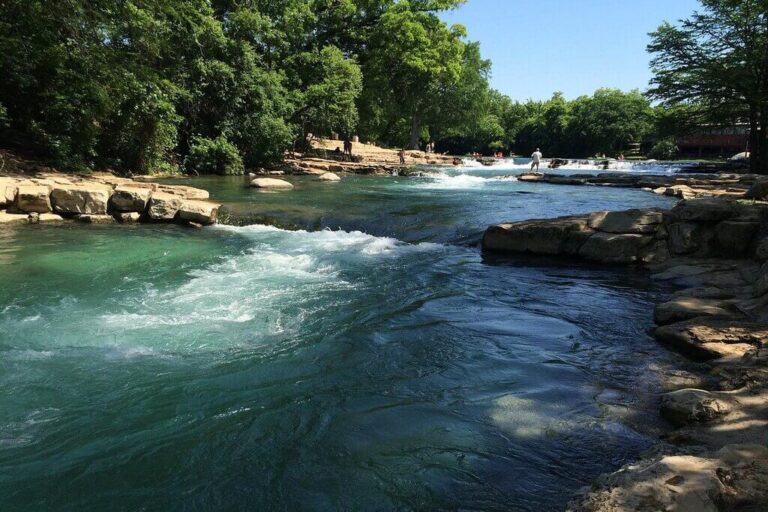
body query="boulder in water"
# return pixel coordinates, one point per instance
(201, 212)
(329, 176)
(270, 183)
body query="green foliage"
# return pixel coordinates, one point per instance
(141, 86)
(213, 156)
(665, 149)
(717, 61)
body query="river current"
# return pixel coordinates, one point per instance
(341, 346)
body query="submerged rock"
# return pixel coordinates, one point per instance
(95, 218)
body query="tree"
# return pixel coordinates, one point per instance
(718, 60)
(608, 121)
(412, 57)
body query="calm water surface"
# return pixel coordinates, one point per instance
(357, 353)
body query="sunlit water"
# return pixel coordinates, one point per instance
(382, 363)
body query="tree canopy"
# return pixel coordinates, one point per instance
(717, 61)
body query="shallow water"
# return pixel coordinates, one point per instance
(386, 364)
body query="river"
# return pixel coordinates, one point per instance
(345, 346)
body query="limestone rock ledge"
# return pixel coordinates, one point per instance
(101, 199)
(734, 477)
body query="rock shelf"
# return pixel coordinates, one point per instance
(101, 199)
(678, 185)
(715, 252)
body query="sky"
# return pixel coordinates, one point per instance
(574, 46)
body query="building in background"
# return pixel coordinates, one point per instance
(720, 142)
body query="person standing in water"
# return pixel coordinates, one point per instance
(536, 159)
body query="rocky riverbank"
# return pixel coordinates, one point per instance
(715, 252)
(680, 186)
(100, 199)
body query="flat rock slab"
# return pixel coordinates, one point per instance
(13, 218)
(712, 338)
(628, 221)
(549, 237)
(686, 308)
(705, 209)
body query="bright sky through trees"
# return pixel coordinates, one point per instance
(574, 46)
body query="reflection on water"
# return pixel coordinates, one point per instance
(387, 365)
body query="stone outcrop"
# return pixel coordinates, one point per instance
(708, 338)
(33, 199)
(80, 199)
(101, 199)
(164, 206)
(270, 183)
(201, 212)
(127, 198)
(703, 227)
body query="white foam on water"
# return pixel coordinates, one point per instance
(280, 281)
(454, 182)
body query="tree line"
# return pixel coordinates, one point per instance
(224, 85)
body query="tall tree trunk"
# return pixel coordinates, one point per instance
(415, 131)
(761, 151)
(754, 141)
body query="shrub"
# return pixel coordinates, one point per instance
(665, 149)
(213, 156)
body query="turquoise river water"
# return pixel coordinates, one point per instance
(345, 346)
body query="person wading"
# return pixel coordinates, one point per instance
(536, 159)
